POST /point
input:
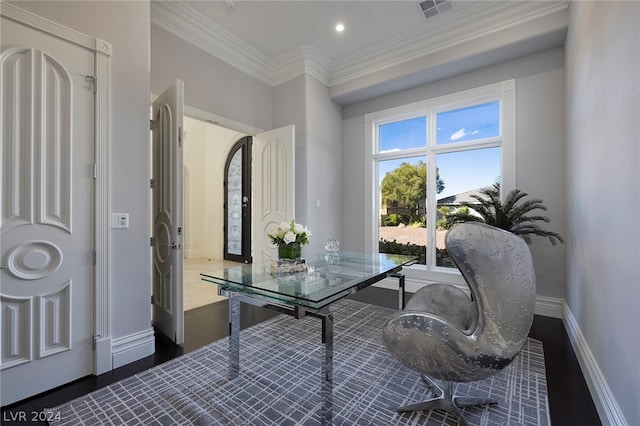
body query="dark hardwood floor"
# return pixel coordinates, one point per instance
(569, 398)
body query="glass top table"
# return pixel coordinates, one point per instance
(322, 280)
(326, 279)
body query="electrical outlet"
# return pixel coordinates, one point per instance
(119, 220)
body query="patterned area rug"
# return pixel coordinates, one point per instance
(279, 382)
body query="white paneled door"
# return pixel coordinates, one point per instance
(47, 198)
(168, 309)
(273, 186)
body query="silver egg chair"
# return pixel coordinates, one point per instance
(444, 334)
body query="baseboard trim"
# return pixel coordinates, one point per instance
(549, 306)
(133, 347)
(545, 306)
(192, 254)
(604, 400)
(102, 355)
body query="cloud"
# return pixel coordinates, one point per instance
(390, 150)
(462, 133)
(459, 134)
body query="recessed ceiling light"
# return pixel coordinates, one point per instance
(339, 28)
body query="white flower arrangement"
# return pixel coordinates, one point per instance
(292, 232)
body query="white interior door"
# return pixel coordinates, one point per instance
(273, 187)
(168, 309)
(47, 225)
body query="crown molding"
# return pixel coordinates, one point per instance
(475, 20)
(185, 22)
(302, 60)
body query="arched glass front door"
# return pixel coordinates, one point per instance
(237, 202)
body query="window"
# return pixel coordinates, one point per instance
(429, 156)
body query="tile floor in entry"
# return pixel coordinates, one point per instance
(197, 292)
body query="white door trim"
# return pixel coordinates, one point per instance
(102, 51)
(219, 120)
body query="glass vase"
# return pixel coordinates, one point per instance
(290, 251)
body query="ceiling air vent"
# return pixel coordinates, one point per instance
(431, 8)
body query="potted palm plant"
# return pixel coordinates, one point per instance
(511, 215)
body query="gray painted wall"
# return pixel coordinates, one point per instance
(304, 102)
(539, 145)
(324, 164)
(209, 83)
(603, 169)
(126, 26)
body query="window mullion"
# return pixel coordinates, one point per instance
(466, 146)
(414, 152)
(431, 200)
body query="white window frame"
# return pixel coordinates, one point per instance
(505, 93)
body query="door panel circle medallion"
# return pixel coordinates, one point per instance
(163, 242)
(269, 228)
(34, 260)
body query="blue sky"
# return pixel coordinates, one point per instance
(460, 171)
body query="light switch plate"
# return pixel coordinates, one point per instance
(119, 220)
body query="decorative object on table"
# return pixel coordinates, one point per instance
(332, 258)
(443, 334)
(288, 266)
(507, 215)
(332, 246)
(290, 251)
(289, 237)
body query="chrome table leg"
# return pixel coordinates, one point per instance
(326, 411)
(400, 277)
(234, 336)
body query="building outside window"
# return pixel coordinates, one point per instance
(429, 156)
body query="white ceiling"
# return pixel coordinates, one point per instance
(277, 27)
(386, 45)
